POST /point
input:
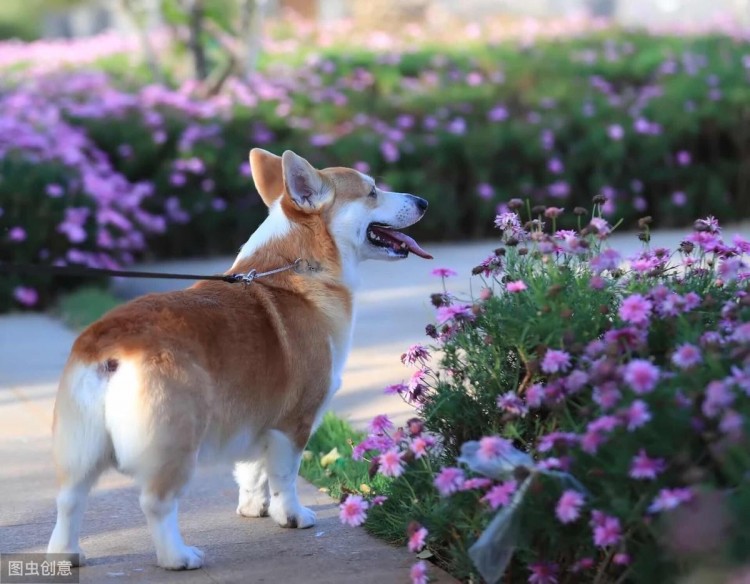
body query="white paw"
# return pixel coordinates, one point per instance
(257, 507)
(299, 516)
(185, 558)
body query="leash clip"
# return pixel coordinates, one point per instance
(248, 277)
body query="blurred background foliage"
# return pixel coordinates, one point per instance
(132, 144)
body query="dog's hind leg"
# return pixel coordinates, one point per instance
(157, 413)
(82, 451)
(159, 504)
(283, 457)
(252, 478)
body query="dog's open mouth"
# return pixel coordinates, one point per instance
(399, 243)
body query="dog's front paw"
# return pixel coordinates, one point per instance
(299, 516)
(184, 558)
(257, 507)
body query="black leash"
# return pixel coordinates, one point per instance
(84, 272)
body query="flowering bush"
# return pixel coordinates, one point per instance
(655, 123)
(585, 418)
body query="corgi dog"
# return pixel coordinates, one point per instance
(227, 369)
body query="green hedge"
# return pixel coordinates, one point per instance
(659, 124)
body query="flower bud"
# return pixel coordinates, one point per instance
(687, 247)
(439, 300)
(514, 204)
(580, 211)
(643, 221)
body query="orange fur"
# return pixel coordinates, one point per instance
(151, 382)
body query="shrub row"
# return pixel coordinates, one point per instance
(582, 421)
(98, 171)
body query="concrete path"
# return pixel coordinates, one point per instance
(33, 349)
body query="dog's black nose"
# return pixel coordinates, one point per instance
(421, 203)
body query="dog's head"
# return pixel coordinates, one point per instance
(362, 219)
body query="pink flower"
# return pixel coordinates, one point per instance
(491, 447)
(555, 361)
(669, 499)
(719, 396)
(449, 480)
(635, 309)
(568, 508)
(508, 222)
(535, 395)
(380, 424)
(615, 132)
(609, 259)
(732, 423)
(576, 380)
(418, 573)
(582, 564)
(25, 295)
(416, 383)
(476, 483)
(417, 539)
(517, 286)
(54, 190)
(607, 530)
(607, 395)
(420, 445)
(686, 356)
(17, 234)
(391, 463)
(591, 441)
(621, 559)
(641, 375)
(353, 511)
(500, 495)
(603, 424)
(454, 312)
(636, 415)
(549, 441)
(644, 467)
(415, 354)
(394, 389)
(443, 272)
(683, 158)
(742, 333)
(510, 402)
(485, 191)
(543, 573)
(597, 283)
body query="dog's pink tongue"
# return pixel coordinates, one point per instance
(410, 244)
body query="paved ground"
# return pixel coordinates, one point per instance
(33, 349)
(393, 308)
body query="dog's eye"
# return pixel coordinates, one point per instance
(373, 193)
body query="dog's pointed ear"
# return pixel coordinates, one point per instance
(267, 175)
(307, 188)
